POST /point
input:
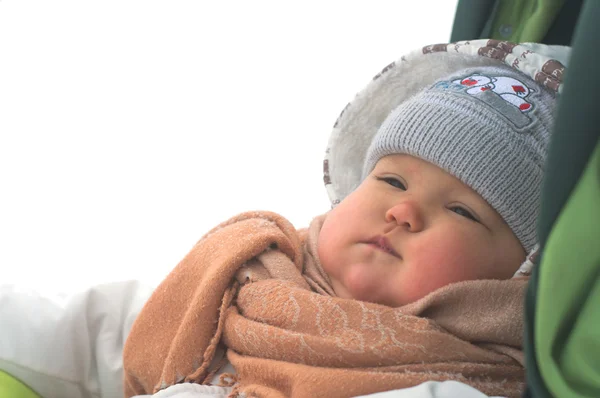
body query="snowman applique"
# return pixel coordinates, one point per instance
(511, 90)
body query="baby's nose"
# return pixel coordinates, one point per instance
(407, 214)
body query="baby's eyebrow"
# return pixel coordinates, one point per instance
(394, 167)
(385, 162)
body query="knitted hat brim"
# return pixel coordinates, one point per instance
(359, 121)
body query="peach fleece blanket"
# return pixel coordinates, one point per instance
(254, 285)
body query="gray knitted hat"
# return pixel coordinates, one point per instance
(489, 127)
(482, 110)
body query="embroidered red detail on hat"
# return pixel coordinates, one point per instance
(468, 82)
(485, 88)
(524, 107)
(518, 89)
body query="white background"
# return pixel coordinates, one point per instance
(130, 128)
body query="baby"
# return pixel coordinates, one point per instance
(435, 203)
(449, 192)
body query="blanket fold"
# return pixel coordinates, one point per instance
(255, 284)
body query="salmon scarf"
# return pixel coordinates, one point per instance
(254, 284)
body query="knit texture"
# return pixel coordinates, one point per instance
(489, 127)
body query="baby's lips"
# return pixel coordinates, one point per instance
(383, 243)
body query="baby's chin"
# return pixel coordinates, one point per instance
(359, 282)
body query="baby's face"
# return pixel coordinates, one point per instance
(409, 229)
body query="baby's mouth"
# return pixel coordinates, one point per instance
(383, 244)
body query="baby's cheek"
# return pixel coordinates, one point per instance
(453, 260)
(326, 246)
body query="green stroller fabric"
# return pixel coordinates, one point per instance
(539, 21)
(562, 335)
(11, 387)
(563, 338)
(565, 315)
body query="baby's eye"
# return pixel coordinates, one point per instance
(393, 182)
(464, 212)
